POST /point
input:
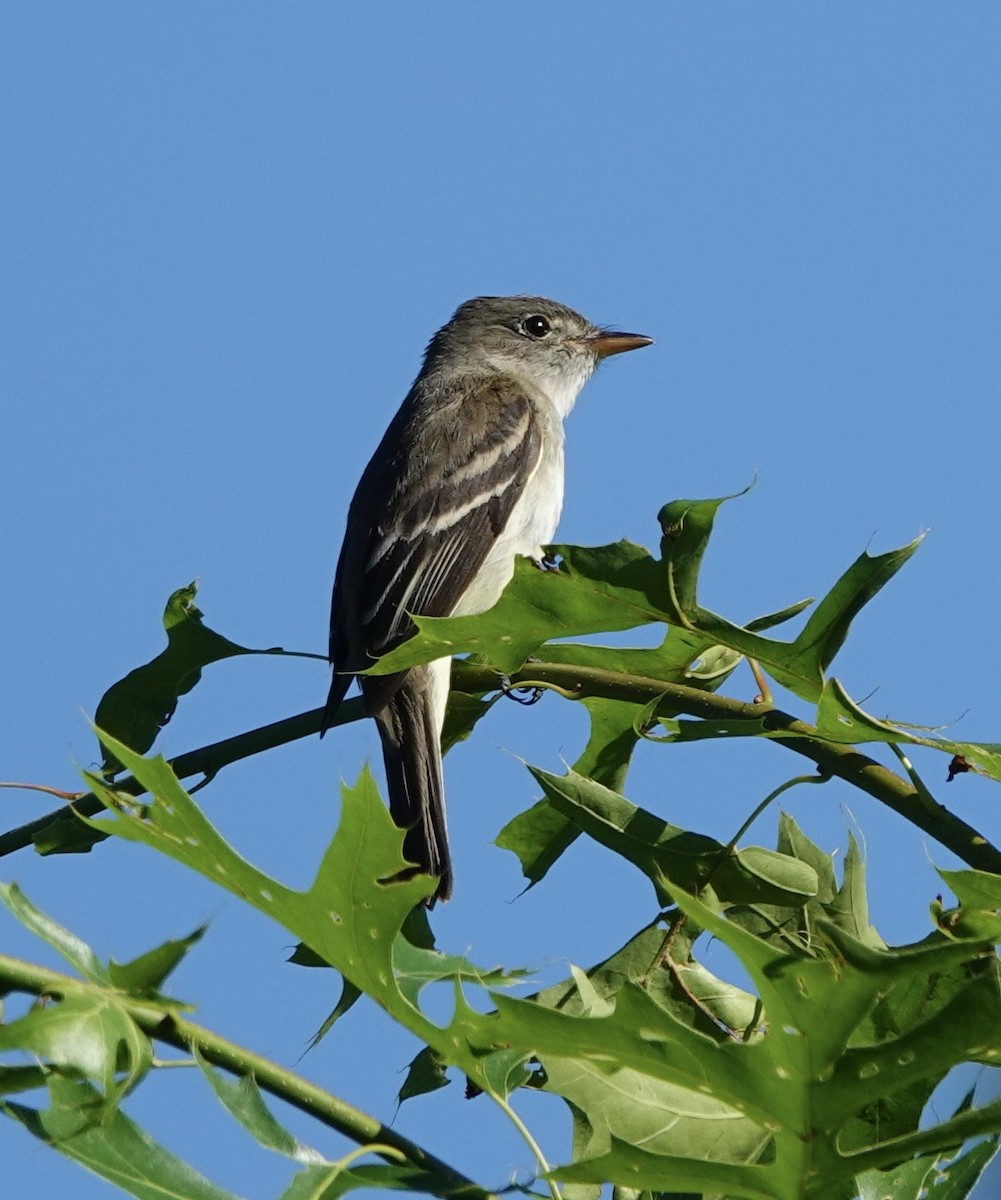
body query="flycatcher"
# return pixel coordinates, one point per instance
(468, 476)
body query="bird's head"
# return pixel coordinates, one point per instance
(539, 342)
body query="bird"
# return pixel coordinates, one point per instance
(468, 476)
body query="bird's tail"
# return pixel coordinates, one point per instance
(338, 687)
(410, 727)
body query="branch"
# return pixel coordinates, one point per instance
(174, 1030)
(831, 758)
(578, 683)
(206, 760)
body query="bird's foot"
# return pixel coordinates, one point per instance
(531, 694)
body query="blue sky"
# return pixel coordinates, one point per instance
(230, 230)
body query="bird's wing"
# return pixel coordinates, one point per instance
(427, 512)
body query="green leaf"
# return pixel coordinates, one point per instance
(503, 1071)
(462, 714)
(351, 914)
(922, 1046)
(21, 1079)
(664, 852)
(86, 1032)
(302, 956)
(770, 874)
(974, 889)
(634, 1168)
(629, 1106)
(415, 967)
(840, 719)
(76, 952)
(349, 997)
(845, 906)
(966, 922)
(242, 1099)
(658, 960)
(929, 1177)
(596, 590)
(709, 729)
(770, 620)
(538, 836)
(849, 909)
(957, 1179)
(907, 1181)
(66, 834)
(541, 834)
(426, 1073)
(794, 842)
(801, 665)
(144, 976)
(827, 627)
(684, 656)
(136, 708)
(328, 1183)
(350, 917)
(686, 526)
(113, 1147)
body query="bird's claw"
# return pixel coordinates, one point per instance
(521, 695)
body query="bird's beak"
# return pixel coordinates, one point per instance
(612, 341)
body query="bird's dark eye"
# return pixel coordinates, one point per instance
(536, 326)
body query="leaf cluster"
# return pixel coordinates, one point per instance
(809, 1077)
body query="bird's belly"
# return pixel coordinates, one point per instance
(531, 525)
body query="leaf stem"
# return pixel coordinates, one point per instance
(773, 795)
(764, 690)
(505, 1106)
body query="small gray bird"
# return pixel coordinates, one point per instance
(468, 476)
